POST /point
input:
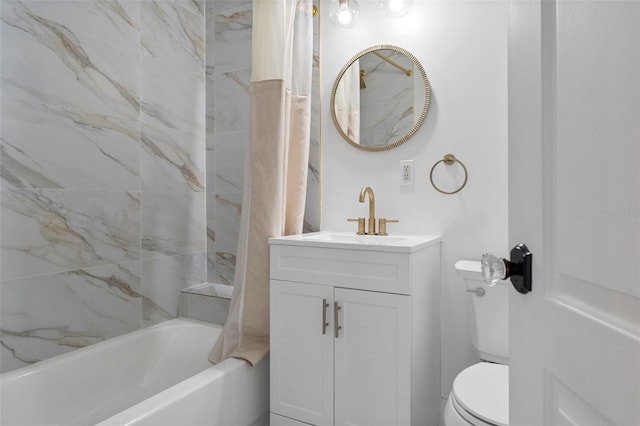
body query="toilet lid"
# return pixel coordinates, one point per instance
(483, 391)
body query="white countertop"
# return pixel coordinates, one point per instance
(350, 241)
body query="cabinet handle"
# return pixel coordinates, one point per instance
(325, 305)
(336, 325)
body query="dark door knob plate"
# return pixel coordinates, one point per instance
(519, 268)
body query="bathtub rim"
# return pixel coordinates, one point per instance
(184, 389)
(30, 369)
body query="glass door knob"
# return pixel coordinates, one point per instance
(518, 269)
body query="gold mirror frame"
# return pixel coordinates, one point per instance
(417, 124)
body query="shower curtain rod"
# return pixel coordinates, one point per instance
(395, 64)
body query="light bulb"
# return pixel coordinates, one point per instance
(343, 13)
(396, 5)
(396, 8)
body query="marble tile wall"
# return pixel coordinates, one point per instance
(206, 302)
(312, 208)
(228, 65)
(102, 169)
(386, 104)
(124, 127)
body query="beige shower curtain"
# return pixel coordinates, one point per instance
(276, 172)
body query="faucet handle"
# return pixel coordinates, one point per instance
(382, 225)
(360, 221)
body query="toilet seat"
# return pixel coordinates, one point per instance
(455, 415)
(481, 394)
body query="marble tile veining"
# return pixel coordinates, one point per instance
(171, 160)
(228, 208)
(41, 145)
(386, 104)
(210, 33)
(313, 176)
(173, 32)
(210, 161)
(233, 29)
(226, 6)
(115, 21)
(381, 127)
(173, 98)
(232, 100)
(102, 162)
(211, 234)
(200, 5)
(230, 152)
(53, 65)
(311, 221)
(172, 223)
(48, 315)
(225, 267)
(212, 275)
(162, 280)
(210, 101)
(132, 116)
(49, 231)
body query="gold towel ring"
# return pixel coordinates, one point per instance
(449, 159)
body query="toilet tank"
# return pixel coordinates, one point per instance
(490, 319)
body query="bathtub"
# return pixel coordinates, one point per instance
(156, 376)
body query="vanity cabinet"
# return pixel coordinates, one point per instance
(355, 332)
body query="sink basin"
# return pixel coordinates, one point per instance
(352, 241)
(352, 238)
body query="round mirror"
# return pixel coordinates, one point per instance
(380, 98)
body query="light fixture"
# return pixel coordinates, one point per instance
(396, 8)
(344, 13)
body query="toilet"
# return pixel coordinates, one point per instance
(480, 393)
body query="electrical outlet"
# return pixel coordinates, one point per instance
(406, 172)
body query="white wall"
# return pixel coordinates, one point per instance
(463, 48)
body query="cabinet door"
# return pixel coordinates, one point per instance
(301, 355)
(277, 420)
(372, 358)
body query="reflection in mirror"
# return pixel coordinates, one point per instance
(380, 98)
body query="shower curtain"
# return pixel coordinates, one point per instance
(276, 170)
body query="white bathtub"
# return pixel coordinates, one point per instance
(156, 376)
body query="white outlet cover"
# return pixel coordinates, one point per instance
(406, 172)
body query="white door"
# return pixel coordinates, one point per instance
(302, 351)
(372, 358)
(574, 161)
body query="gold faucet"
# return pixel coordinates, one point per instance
(372, 208)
